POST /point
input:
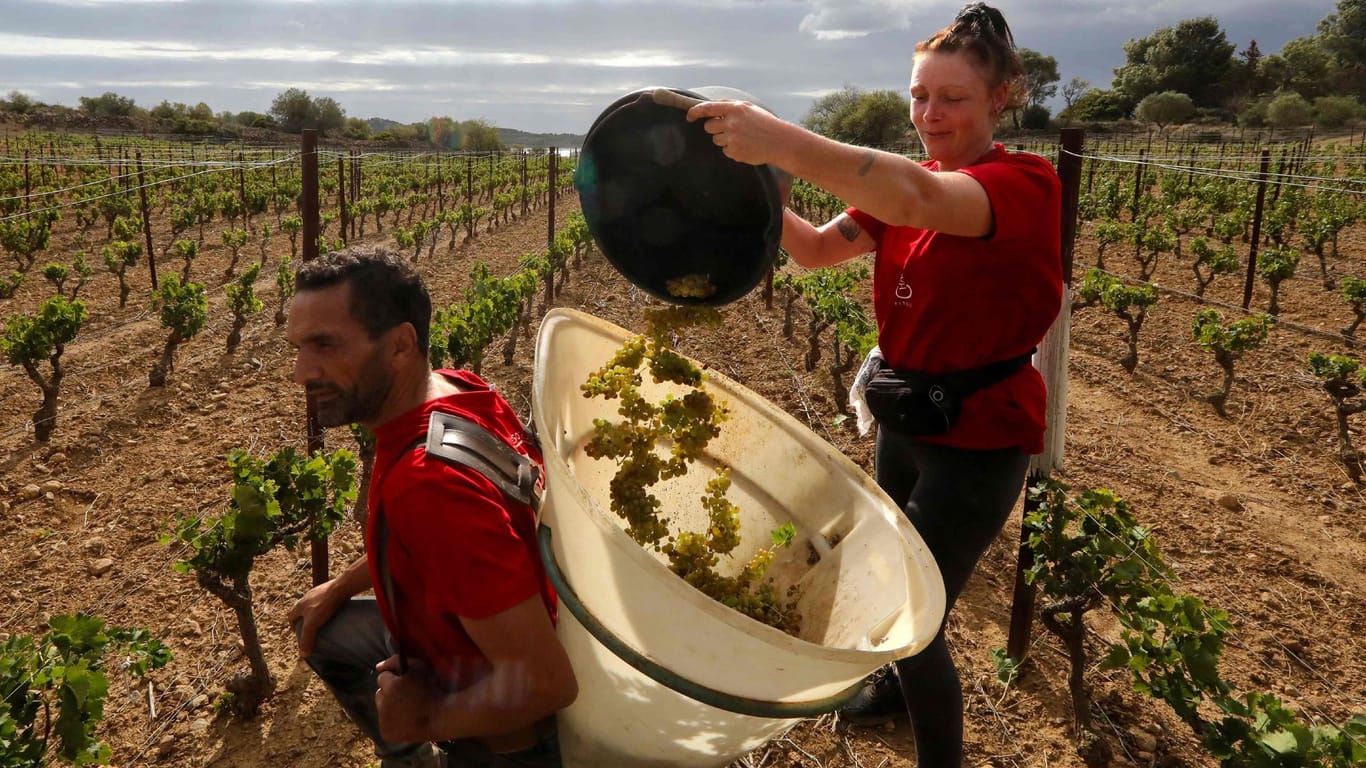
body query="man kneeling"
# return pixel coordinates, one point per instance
(455, 660)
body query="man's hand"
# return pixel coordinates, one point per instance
(318, 604)
(311, 612)
(405, 701)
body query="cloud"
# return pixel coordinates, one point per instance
(847, 19)
(393, 55)
(25, 46)
(549, 65)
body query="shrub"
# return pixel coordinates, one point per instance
(18, 103)
(1336, 111)
(1035, 117)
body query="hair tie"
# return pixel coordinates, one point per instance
(984, 19)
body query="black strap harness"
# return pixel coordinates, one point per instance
(462, 442)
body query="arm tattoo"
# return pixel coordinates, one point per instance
(868, 158)
(849, 228)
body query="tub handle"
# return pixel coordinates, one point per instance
(740, 705)
(669, 98)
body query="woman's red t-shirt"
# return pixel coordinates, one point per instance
(946, 303)
(457, 547)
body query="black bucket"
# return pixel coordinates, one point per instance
(669, 210)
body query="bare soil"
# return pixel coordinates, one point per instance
(1288, 562)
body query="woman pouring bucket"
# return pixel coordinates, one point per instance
(966, 282)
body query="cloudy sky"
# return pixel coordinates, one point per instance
(549, 65)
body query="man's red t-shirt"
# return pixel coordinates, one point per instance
(457, 547)
(946, 303)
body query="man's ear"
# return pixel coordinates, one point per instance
(403, 338)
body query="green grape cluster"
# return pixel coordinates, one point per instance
(696, 285)
(723, 533)
(687, 424)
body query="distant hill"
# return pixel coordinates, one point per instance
(511, 137)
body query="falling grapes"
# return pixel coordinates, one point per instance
(693, 286)
(687, 424)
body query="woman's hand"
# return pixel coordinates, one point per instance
(744, 132)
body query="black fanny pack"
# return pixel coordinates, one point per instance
(917, 403)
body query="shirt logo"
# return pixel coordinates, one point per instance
(902, 292)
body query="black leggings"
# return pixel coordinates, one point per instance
(958, 500)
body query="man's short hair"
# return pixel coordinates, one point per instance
(385, 289)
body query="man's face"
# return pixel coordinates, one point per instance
(336, 362)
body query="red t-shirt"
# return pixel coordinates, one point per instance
(948, 303)
(457, 547)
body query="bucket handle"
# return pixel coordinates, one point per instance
(740, 705)
(665, 97)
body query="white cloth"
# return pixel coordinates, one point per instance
(857, 400)
(1051, 360)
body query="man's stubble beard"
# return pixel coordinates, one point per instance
(361, 403)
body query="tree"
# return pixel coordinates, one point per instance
(1098, 105)
(1072, 92)
(1248, 71)
(1343, 35)
(254, 120)
(356, 128)
(328, 116)
(1306, 68)
(1164, 108)
(824, 115)
(1193, 58)
(443, 132)
(879, 118)
(860, 117)
(480, 136)
(1041, 76)
(293, 109)
(108, 103)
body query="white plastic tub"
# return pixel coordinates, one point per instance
(870, 592)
